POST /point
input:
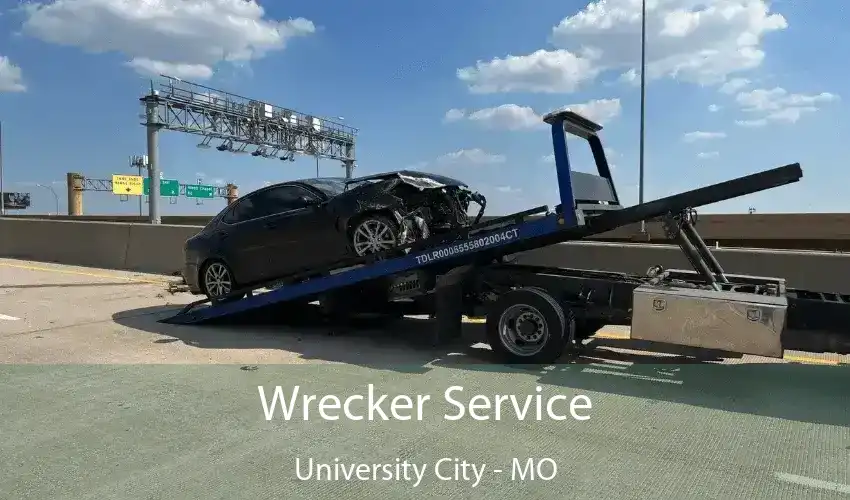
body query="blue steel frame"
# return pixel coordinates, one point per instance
(565, 218)
(562, 167)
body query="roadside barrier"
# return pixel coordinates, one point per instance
(159, 249)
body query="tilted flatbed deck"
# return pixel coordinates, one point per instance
(464, 271)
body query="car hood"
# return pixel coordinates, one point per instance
(420, 180)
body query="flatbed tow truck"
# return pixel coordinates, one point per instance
(533, 313)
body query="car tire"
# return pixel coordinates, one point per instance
(217, 280)
(373, 234)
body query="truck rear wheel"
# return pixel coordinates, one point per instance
(528, 326)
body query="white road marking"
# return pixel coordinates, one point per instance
(609, 365)
(9, 318)
(813, 483)
(632, 375)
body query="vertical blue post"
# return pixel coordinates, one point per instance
(562, 166)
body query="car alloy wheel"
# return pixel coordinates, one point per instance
(218, 280)
(374, 235)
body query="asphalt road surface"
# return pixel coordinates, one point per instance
(102, 401)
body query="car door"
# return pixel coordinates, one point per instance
(242, 239)
(297, 222)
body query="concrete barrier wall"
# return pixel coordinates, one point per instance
(818, 271)
(110, 245)
(833, 227)
(176, 220)
(828, 232)
(159, 249)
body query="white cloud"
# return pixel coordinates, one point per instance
(550, 158)
(186, 38)
(146, 66)
(632, 77)
(702, 42)
(508, 117)
(702, 136)
(777, 105)
(508, 189)
(11, 76)
(778, 98)
(516, 117)
(600, 110)
(542, 71)
(708, 154)
(734, 85)
(791, 115)
(761, 122)
(474, 156)
(713, 108)
(454, 115)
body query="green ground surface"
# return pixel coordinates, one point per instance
(186, 432)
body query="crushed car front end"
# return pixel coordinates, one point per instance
(423, 203)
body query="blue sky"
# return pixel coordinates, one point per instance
(735, 86)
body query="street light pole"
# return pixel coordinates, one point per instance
(642, 106)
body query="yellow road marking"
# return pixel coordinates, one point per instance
(788, 357)
(611, 336)
(83, 273)
(810, 361)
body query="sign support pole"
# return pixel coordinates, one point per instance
(152, 124)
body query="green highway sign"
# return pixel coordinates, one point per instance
(199, 191)
(167, 187)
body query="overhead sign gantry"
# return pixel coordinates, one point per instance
(232, 123)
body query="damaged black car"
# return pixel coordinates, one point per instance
(286, 228)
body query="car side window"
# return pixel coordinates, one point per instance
(245, 209)
(281, 199)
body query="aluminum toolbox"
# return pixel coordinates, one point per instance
(732, 321)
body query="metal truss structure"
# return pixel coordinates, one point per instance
(243, 125)
(106, 185)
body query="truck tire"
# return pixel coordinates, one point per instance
(528, 326)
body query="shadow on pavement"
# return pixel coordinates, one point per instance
(401, 345)
(803, 393)
(795, 392)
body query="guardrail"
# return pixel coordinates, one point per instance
(159, 249)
